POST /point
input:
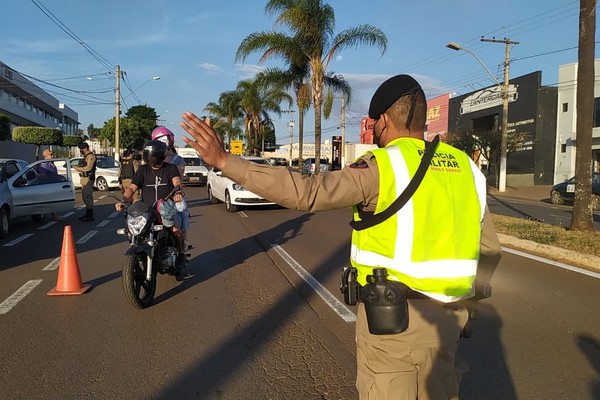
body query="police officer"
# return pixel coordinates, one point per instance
(129, 165)
(432, 245)
(87, 172)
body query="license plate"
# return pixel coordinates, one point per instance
(571, 188)
(194, 178)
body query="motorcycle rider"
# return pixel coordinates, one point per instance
(156, 179)
(163, 134)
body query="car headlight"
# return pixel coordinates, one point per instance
(136, 224)
(238, 187)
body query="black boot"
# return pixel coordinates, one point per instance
(89, 215)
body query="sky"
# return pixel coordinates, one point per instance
(191, 46)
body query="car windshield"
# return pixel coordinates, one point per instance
(106, 162)
(193, 161)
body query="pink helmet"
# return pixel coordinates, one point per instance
(161, 132)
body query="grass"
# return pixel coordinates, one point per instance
(540, 232)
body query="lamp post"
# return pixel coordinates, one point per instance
(504, 88)
(118, 108)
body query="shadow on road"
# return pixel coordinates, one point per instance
(590, 347)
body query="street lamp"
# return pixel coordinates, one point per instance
(504, 88)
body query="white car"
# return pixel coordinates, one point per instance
(222, 189)
(107, 172)
(30, 190)
(195, 172)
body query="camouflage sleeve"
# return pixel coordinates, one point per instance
(337, 189)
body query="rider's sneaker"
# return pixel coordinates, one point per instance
(181, 261)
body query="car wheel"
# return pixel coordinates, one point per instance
(595, 202)
(556, 198)
(211, 199)
(101, 184)
(228, 206)
(3, 223)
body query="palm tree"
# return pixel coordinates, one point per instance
(312, 43)
(258, 98)
(227, 112)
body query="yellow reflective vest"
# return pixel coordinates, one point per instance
(432, 243)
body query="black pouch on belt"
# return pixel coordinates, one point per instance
(385, 304)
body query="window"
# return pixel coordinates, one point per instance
(596, 112)
(563, 148)
(565, 107)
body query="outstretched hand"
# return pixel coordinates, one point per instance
(205, 140)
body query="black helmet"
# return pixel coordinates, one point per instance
(154, 152)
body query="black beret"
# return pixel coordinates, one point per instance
(390, 91)
(83, 145)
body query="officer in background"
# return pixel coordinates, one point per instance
(87, 172)
(432, 246)
(129, 165)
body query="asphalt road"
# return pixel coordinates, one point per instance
(258, 317)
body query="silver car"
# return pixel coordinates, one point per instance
(29, 190)
(308, 166)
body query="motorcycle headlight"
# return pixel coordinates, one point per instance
(136, 224)
(238, 187)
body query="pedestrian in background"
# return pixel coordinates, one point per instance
(429, 248)
(87, 172)
(129, 165)
(47, 170)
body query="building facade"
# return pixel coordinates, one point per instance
(566, 122)
(531, 112)
(26, 104)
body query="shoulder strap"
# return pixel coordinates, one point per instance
(410, 189)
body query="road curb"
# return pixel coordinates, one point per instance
(565, 256)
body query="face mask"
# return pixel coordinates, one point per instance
(164, 139)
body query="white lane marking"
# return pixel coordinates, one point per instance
(80, 208)
(17, 296)
(242, 214)
(17, 240)
(102, 224)
(48, 225)
(86, 237)
(336, 305)
(554, 263)
(114, 214)
(53, 265)
(68, 214)
(101, 197)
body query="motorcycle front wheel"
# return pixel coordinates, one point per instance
(138, 290)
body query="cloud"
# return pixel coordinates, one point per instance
(211, 68)
(249, 70)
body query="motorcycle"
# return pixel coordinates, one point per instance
(152, 250)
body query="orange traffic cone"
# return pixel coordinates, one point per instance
(69, 278)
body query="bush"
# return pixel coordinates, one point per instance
(38, 135)
(71, 140)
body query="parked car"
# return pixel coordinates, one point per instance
(222, 189)
(28, 190)
(196, 172)
(565, 191)
(308, 166)
(278, 161)
(107, 172)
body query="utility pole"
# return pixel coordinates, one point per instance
(503, 145)
(291, 126)
(343, 128)
(117, 113)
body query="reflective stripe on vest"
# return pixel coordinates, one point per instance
(445, 214)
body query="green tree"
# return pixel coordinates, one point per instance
(93, 132)
(135, 128)
(311, 24)
(38, 135)
(258, 98)
(4, 127)
(226, 115)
